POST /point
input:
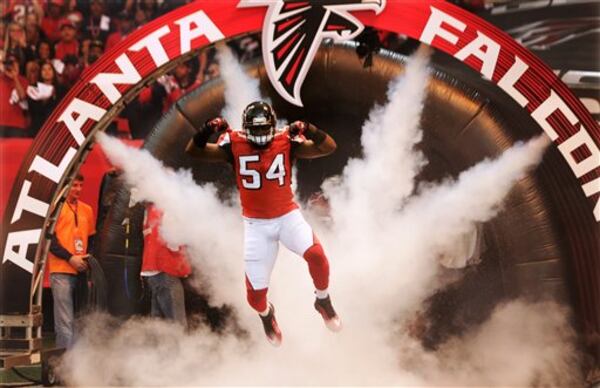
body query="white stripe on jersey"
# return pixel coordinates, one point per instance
(226, 139)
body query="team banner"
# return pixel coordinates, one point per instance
(291, 34)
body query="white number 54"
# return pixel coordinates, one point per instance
(251, 179)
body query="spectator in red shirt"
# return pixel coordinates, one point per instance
(13, 103)
(125, 26)
(184, 83)
(163, 268)
(75, 16)
(177, 85)
(19, 9)
(68, 44)
(51, 22)
(4, 11)
(71, 71)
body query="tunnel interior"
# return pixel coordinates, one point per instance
(526, 250)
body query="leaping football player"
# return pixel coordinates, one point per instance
(262, 158)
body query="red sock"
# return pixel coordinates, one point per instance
(318, 265)
(256, 298)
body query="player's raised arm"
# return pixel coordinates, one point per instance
(199, 147)
(318, 142)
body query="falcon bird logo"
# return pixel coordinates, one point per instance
(293, 31)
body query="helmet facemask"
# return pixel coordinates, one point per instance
(261, 135)
(258, 123)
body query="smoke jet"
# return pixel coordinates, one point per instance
(384, 242)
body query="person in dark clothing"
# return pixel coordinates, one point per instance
(44, 51)
(43, 97)
(97, 25)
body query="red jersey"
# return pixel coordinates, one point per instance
(263, 175)
(114, 39)
(157, 255)
(176, 93)
(11, 115)
(62, 49)
(50, 28)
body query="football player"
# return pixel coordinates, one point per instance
(262, 158)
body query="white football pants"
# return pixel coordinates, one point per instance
(261, 243)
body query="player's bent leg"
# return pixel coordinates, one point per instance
(298, 237)
(258, 301)
(318, 266)
(260, 253)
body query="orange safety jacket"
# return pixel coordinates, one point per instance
(74, 226)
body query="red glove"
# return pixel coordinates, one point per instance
(298, 128)
(217, 124)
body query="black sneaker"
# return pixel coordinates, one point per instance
(271, 327)
(324, 307)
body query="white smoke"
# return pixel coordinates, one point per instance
(388, 138)
(384, 244)
(428, 225)
(522, 344)
(240, 88)
(189, 213)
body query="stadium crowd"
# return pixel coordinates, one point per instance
(46, 45)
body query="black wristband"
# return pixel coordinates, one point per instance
(201, 137)
(58, 250)
(318, 136)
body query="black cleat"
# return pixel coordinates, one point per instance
(271, 327)
(324, 307)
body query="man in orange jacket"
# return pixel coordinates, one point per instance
(163, 267)
(72, 240)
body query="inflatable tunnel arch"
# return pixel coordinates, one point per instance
(464, 121)
(539, 97)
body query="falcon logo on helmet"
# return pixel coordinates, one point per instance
(293, 31)
(258, 123)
